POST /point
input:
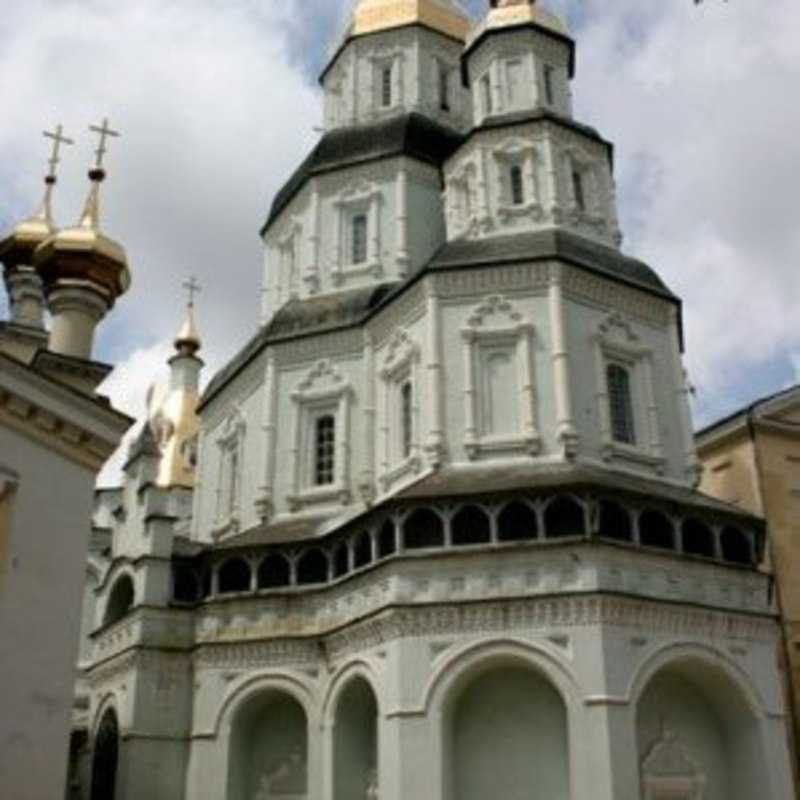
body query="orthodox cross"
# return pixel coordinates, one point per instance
(104, 131)
(193, 287)
(58, 139)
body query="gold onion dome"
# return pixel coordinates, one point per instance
(188, 342)
(509, 13)
(84, 252)
(19, 244)
(445, 16)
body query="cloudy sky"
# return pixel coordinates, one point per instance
(218, 101)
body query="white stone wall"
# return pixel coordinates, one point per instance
(352, 85)
(42, 576)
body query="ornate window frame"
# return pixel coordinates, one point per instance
(323, 391)
(462, 200)
(360, 197)
(381, 58)
(286, 243)
(592, 213)
(616, 342)
(669, 774)
(524, 154)
(402, 365)
(230, 445)
(496, 321)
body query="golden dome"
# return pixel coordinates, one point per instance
(508, 13)
(187, 342)
(18, 245)
(84, 253)
(445, 16)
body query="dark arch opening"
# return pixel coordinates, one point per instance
(234, 576)
(387, 541)
(517, 523)
(274, 572)
(736, 546)
(423, 529)
(471, 526)
(656, 530)
(105, 757)
(563, 518)
(355, 742)
(341, 560)
(698, 538)
(205, 584)
(362, 555)
(185, 586)
(614, 522)
(121, 600)
(312, 568)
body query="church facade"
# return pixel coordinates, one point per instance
(434, 532)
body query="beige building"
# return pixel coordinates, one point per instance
(55, 434)
(752, 459)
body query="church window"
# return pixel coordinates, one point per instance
(423, 529)
(358, 239)
(444, 86)
(406, 418)
(105, 758)
(549, 90)
(234, 576)
(517, 522)
(486, 94)
(736, 546)
(620, 404)
(517, 185)
(578, 189)
(120, 601)
(386, 86)
(325, 452)
(514, 83)
(274, 572)
(312, 568)
(499, 395)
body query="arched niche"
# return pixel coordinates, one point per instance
(268, 749)
(422, 529)
(517, 522)
(355, 742)
(698, 736)
(506, 736)
(120, 601)
(614, 521)
(234, 576)
(105, 757)
(471, 526)
(274, 572)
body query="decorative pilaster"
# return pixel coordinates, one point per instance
(401, 201)
(265, 505)
(367, 482)
(566, 432)
(435, 446)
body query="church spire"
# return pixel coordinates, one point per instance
(188, 342)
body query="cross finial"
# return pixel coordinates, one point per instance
(58, 139)
(193, 288)
(104, 131)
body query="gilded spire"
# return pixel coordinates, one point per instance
(187, 342)
(91, 212)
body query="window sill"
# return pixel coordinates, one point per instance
(335, 494)
(374, 270)
(499, 445)
(632, 454)
(507, 212)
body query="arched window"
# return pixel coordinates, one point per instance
(105, 758)
(698, 538)
(312, 568)
(363, 550)
(517, 186)
(341, 560)
(517, 523)
(406, 418)
(578, 189)
(471, 526)
(423, 529)
(620, 404)
(234, 576)
(185, 586)
(736, 546)
(563, 518)
(358, 239)
(386, 86)
(387, 540)
(120, 601)
(274, 572)
(325, 453)
(614, 522)
(656, 530)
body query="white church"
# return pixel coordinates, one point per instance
(434, 533)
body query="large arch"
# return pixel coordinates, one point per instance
(355, 741)
(120, 600)
(105, 756)
(268, 753)
(506, 708)
(699, 725)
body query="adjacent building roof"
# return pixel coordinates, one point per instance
(412, 135)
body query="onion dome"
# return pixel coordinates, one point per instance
(444, 16)
(511, 13)
(19, 244)
(187, 342)
(84, 253)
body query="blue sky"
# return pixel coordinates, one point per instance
(218, 102)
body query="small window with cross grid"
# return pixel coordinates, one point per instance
(620, 404)
(325, 450)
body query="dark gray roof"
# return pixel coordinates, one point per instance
(345, 309)
(553, 243)
(411, 135)
(304, 318)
